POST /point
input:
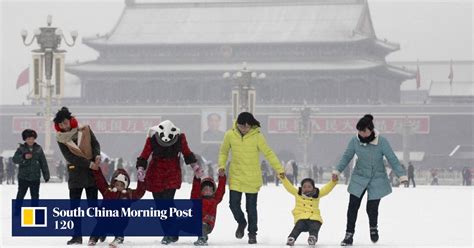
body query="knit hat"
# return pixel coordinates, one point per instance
(29, 133)
(121, 175)
(208, 182)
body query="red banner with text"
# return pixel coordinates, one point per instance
(347, 124)
(114, 124)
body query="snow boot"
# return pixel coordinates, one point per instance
(168, 240)
(252, 238)
(290, 241)
(92, 241)
(239, 233)
(312, 240)
(75, 241)
(202, 241)
(116, 242)
(374, 234)
(348, 239)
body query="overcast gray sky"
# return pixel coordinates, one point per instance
(425, 29)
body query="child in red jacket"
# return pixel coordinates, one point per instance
(118, 190)
(205, 189)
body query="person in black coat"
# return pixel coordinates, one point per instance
(1, 170)
(32, 163)
(11, 171)
(411, 175)
(80, 158)
(295, 172)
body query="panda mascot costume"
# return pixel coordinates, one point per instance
(164, 143)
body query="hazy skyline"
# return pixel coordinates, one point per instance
(426, 30)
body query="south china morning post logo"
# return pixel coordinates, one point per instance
(34, 217)
(60, 217)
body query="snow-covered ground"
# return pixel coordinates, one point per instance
(426, 216)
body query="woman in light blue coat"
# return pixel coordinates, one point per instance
(369, 175)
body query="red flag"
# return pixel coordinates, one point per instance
(418, 77)
(451, 73)
(23, 78)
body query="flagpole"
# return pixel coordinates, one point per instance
(451, 92)
(451, 77)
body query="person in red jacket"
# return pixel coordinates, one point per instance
(117, 190)
(164, 143)
(205, 189)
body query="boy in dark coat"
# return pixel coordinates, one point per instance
(32, 163)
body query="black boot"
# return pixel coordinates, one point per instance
(252, 238)
(77, 240)
(116, 242)
(290, 241)
(93, 241)
(202, 241)
(239, 233)
(374, 234)
(102, 238)
(169, 239)
(312, 240)
(347, 239)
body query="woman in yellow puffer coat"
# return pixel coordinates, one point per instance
(246, 142)
(306, 212)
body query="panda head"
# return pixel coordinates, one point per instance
(166, 133)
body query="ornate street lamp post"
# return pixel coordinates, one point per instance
(49, 57)
(243, 92)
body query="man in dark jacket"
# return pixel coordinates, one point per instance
(80, 158)
(32, 163)
(11, 170)
(295, 172)
(1, 170)
(411, 175)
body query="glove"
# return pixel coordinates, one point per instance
(221, 172)
(334, 178)
(197, 170)
(46, 180)
(335, 175)
(141, 174)
(28, 155)
(141, 162)
(403, 180)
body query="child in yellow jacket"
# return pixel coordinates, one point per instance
(306, 212)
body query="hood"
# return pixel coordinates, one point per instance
(209, 181)
(122, 176)
(165, 133)
(253, 130)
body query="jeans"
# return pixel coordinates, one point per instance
(354, 204)
(251, 208)
(311, 226)
(412, 179)
(75, 196)
(23, 186)
(167, 194)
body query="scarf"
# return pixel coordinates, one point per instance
(83, 147)
(368, 139)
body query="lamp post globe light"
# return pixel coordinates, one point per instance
(49, 57)
(243, 92)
